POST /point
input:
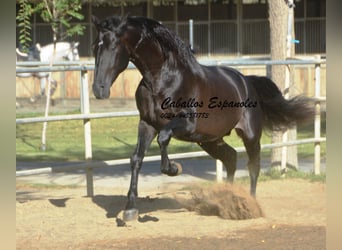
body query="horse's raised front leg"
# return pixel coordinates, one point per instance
(178, 127)
(146, 134)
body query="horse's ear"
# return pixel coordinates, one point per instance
(95, 20)
(122, 25)
(38, 46)
(124, 18)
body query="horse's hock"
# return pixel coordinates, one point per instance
(224, 200)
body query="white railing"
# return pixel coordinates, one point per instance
(86, 116)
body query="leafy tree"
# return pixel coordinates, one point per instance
(25, 12)
(59, 13)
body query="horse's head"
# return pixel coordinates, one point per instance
(72, 54)
(111, 54)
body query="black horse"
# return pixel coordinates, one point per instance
(177, 97)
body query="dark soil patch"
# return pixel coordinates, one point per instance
(280, 238)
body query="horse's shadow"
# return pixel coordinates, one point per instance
(114, 204)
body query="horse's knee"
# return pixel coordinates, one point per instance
(136, 161)
(232, 156)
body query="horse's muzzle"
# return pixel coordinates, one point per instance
(100, 91)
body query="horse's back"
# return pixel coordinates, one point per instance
(225, 82)
(61, 49)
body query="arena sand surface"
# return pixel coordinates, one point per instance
(294, 217)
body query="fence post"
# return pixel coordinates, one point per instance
(317, 117)
(87, 130)
(191, 34)
(219, 171)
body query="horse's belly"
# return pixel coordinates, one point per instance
(218, 124)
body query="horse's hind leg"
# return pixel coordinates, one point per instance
(252, 145)
(146, 134)
(53, 86)
(43, 81)
(222, 151)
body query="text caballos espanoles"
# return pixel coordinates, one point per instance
(213, 102)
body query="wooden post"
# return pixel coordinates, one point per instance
(239, 18)
(191, 33)
(85, 109)
(317, 118)
(281, 34)
(278, 19)
(209, 29)
(219, 171)
(287, 78)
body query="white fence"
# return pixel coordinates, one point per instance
(86, 116)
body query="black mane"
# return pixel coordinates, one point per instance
(169, 41)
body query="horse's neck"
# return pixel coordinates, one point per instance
(148, 56)
(154, 67)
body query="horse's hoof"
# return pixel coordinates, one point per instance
(178, 166)
(130, 215)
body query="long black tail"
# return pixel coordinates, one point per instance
(278, 112)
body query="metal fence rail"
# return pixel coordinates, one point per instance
(76, 117)
(110, 163)
(28, 67)
(86, 116)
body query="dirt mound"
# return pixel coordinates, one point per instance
(224, 200)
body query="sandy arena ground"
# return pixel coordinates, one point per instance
(63, 218)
